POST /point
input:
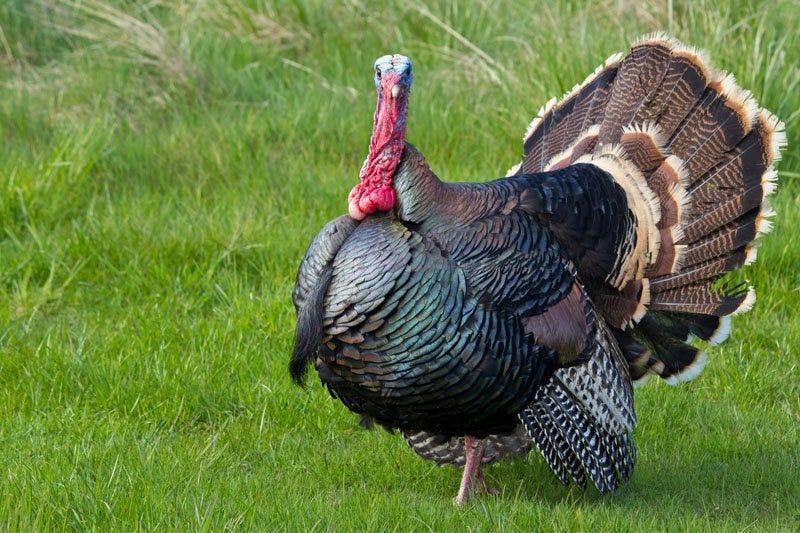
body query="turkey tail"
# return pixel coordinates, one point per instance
(695, 157)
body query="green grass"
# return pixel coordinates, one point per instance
(164, 166)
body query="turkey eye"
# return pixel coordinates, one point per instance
(378, 73)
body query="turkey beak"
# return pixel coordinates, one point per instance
(395, 91)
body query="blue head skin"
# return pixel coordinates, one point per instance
(375, 193)
(396, 67)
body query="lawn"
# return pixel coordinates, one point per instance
(163, 166)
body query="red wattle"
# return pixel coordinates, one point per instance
(355, 193)
(355, 212)
(366, 204)
(383, 198)
(375, 192)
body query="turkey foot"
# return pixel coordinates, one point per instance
(473, 482)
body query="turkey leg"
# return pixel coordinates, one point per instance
(472, 471)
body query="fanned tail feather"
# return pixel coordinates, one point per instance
(695, 156)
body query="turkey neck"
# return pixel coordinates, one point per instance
(388, 139)
(420, 194)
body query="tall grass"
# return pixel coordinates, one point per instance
(164, 166)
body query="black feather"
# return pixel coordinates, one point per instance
(308, 332)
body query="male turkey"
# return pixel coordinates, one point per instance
(478, 318)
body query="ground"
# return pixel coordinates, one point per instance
(163, 166)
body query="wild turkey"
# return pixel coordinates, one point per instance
(478, 318)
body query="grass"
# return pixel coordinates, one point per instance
(164, 166)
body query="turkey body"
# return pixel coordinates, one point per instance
(424, 323)
(520, 311)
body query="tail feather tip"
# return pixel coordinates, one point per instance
(747, 303)
(722, 332)
(689, 372)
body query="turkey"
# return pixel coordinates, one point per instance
(485, 319)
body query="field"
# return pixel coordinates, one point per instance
(163, 166)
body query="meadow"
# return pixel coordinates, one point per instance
(163, 166)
